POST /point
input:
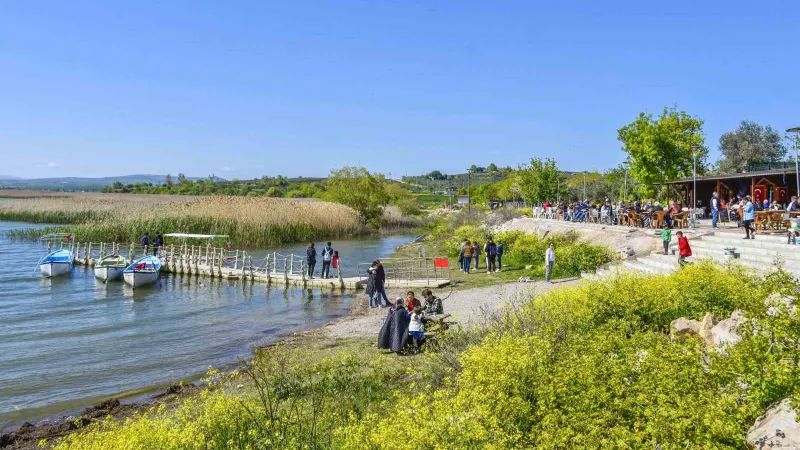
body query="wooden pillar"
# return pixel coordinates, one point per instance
(88, 254)
(752, 188)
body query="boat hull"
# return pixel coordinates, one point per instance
(137, 279)
(108, 273)
(54, 269)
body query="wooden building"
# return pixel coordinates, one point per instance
(775, 182)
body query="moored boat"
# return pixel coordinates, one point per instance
(110, 267)
(56, 263)
(143, 271)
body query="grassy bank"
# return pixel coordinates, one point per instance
(126, 217)
(590, 366)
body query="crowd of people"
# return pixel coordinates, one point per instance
(157, 242)
(404, 326)
(472, 250)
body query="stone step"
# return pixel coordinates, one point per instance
(787, 252)
(758, 259)
(636, 266)
(738, 237)
(666, 263)
(760, 263)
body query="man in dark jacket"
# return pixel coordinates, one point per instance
(158, 241)
(500, 250)
(145, 242)
(394, 333)
(327, 256)
(311, 259)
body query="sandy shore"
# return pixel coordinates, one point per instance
(465, 306)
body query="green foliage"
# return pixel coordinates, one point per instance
(660, 148)
(573, 256)
(360, 190)
(539, 181)
(749, 144)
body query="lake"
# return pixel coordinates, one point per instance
(70, 341)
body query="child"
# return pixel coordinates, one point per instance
(683, 246)
(415, 327)
(666, 236)
(335, 260)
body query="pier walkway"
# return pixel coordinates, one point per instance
(274, 268)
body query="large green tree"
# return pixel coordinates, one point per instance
(749, 144)
(660, 148)
(539, 180)
(360, 190)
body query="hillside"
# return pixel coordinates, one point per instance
(81, 183)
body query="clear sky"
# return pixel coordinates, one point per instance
(250, 88)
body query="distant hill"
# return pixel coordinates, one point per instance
(8, 177)
(83, 183)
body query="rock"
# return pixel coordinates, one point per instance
(775, 302)
(682, 328)
(6, 439)
(777, 428)
(524, 279)
(708, 323)
(725, 333)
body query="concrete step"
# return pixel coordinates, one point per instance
(665, 263)
(765, 241)
(749, 256)
(637, 266)
(762, 264)
(751, 247)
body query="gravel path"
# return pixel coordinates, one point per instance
(466, 306)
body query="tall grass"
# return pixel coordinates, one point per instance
(249, 221)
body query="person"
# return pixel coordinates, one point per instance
(765, 205)
(466, 256)
(335, 260)
(684, 250)
(793, 205)
(394, 332)
(476, 253)
(666, 236)
(327, 256)
(416, 329)
(461, 255)
(775, 206)
(657, 207)
(158, 241)
(715, 207)
(311, 259)
(432, 305)
(411, 301)
(550, 261)
(673, 210)
(500, 256)
(145, 242)
(748, 216)
(376, 284)
(491, 254)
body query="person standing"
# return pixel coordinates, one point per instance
(158, 241)
(476, 253)
(145, 242)
(550, 261)
(380, 283)
(666, 237)
(715, 207)
(491, 254)
(311, 259)
(499, 256)
(466, 255)
(335, 261)
(748, 216)
(327, 256)
(684, 250)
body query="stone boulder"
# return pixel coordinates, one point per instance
(777, 428)
(682, 328)
(708, 323)
(776, 301)
(726, 332)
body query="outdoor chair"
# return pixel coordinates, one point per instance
(593, 216)
(658, 219)
(760, 222)
(633, 219)
(681, 220)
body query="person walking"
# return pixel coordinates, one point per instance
(145, 243)
(327, 256)
(311, 259)
(684, 250)
(476, 253)
(550, 261)
(715, 208)
(748, 216)
(467, 256)
(499, 256)
(491, 254)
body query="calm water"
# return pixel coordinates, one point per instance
(69, 341)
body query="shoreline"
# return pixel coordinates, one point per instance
(466, 306)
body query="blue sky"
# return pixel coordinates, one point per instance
(243, 89)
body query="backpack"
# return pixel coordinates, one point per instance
(492, 250)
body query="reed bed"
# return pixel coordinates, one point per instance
(249, 221)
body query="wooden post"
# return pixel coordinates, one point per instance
(339, 274)
(302, 271)
(88, 254)
(427, 277)
(285, 272)
(49, 246)
(172, 256)
(236, 261)
(131, 254)
(291, 264)
(219, 262)
(266, 269)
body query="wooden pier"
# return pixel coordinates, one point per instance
(274, 268)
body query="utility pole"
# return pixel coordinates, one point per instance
(796, 143)
(694, 149)
(469, 188)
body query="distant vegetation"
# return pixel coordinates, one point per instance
(125, 218)
(81, 184)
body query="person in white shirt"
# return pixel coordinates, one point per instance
(550, 261)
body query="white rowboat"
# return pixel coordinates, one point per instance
(56, 263)
(143, 271)
(110, 267)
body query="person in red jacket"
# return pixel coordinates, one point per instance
(683, 247)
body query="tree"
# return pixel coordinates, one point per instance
(749, 144)
(360, 190)
(436, 175)
(181, 178)
(473, 168)
(491, 167)
(274, 192)
(168, 181)
(539, 180)
(660, 149)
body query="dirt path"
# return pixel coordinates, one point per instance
(466, 306)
